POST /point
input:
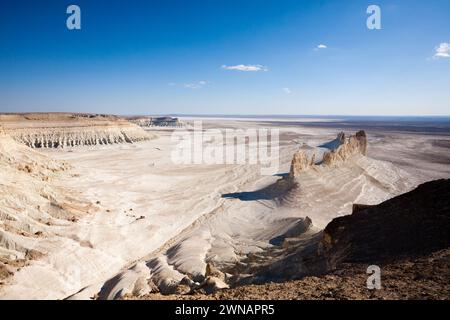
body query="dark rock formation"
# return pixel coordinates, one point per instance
(360, 207)
(412, 224)
(362, 139)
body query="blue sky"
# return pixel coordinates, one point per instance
(193, 57)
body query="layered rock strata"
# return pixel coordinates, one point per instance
(70, 130)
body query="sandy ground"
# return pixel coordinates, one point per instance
(161, 221)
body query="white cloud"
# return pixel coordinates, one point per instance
(443, 51)
(322, 46)
(195, 85)
(246, 67)
(286, 90)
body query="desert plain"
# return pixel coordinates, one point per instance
(94, 207)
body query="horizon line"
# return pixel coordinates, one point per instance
(228, 114)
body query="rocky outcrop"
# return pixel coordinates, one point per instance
(341, 165)
(70, 130)
(213, 284)
(354, 145)
(300, 162)
(341, 137)
(415, 223)
(212, 271)
(340, 150)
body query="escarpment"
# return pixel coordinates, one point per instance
(70, 130)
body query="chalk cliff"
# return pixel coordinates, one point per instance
(61, 130)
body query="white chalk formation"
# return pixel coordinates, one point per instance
(71, 130)
(74, 137)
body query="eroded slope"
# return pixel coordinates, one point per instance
(31, 204)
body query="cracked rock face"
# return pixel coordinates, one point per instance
(70, 130)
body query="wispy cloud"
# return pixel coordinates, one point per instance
(321, 47)
(190, 85)
(195, 85)
(246, 67)
(443, 51)
(286, 90)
